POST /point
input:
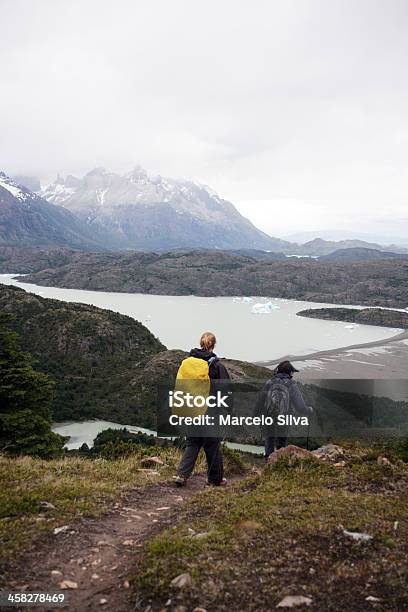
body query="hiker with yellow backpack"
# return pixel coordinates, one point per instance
(198, 374)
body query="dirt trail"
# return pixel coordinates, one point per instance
(98, 554)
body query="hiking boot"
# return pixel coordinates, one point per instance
(180, 481)
(220, 484)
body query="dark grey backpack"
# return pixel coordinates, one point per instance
(277, 397)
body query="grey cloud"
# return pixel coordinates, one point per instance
(267, 102)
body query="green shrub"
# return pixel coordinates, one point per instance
(233, 461)
(26, 400)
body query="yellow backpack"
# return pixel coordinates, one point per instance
(193, 377)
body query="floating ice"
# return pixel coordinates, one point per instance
(242, 299)
(266, 308)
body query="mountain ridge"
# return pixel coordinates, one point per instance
(26, 219)
(381, 282)
(134, 211)
(320, 247)
(148, 212)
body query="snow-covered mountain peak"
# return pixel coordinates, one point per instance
(18, 191)
(99, 187)
(26, 219)
(143, 211)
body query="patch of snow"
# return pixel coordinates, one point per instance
(304, 256)
(382, 365)
(376, 350)
(57, 192)
(12, 187)
(208, 189)
(100, 195)
(309, 363)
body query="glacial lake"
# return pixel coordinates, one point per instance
(178, 321)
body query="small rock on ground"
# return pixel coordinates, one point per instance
(292, 601)
(288, 451)
(181, 581)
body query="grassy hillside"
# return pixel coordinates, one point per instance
(106, 365)
(37, 496)
(74, 487)
(93, 355)
(209, 273)
(280, 534)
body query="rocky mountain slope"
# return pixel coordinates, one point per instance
(319, 247)
(27, 219)
(22, 260)
(365, 316)
(210, 273)
(152, 212)
(355, 254)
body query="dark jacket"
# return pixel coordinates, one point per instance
(217, 371)
(297, 402)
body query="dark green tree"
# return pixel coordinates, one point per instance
(26, 399)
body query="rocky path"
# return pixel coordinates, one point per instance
(92, 559)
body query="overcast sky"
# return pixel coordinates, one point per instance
(295, 110)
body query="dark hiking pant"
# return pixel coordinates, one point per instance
(213, 453)
(273, 443)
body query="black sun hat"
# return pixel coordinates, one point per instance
(285, 367)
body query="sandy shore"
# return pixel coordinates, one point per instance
(381, 359)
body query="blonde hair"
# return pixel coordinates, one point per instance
(207, 341)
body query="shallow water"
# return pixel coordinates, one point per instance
(81, 432)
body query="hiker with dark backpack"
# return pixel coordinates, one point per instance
(280, 395)
(201, 372)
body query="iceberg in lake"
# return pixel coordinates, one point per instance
(264, 308)
(242, 299)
